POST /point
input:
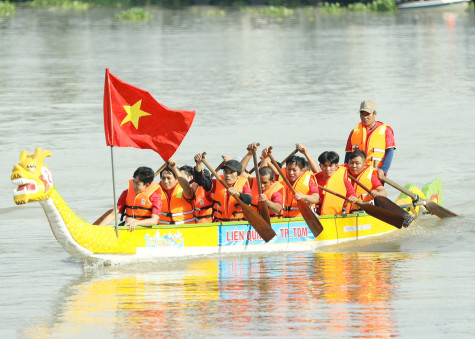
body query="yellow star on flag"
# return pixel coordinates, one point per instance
(134, 113)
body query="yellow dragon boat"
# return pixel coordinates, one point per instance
(100, 243)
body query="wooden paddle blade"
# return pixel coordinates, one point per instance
(263, 228)
(98, 221)
(389, 205)
(263, 210)
(383, 215)
(438, 210)
(310, 218)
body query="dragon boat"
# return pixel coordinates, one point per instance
(94, 243)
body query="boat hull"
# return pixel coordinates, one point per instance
(434, 5)
(209, 239)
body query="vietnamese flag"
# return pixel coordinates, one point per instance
(133, 118)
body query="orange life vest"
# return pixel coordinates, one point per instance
(226, 208)
(176, 210)
(375, 147)
(301, 185)
(139, 206)
(364, 178)
(331, 204)
(275, 187)
(203, 206)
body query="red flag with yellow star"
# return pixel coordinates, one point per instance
(133, 118)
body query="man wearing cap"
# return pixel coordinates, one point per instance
(374, 138)
(226, 208)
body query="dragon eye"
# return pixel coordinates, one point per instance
(31, 168)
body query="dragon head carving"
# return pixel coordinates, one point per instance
(32, 178)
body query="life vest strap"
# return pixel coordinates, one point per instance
(138, 208)
(171, 215)
(203, 208)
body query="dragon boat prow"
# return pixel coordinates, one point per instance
(92, 243)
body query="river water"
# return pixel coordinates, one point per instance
(276, 80)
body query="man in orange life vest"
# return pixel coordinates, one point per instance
(139, 204)
(303, 182)
(226, 208)
(203, 203)
(177, 197)
(372, 137)
(272, 191)
(335, 178)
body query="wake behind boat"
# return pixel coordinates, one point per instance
(100, 243)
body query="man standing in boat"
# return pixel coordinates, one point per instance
(177, 197)
(374, 138)
(366, 175)
(139, 204)
(226, 208)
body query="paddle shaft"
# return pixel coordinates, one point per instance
(361, 185)
(310, 218)
(380, 213)
(430, 205)
(358, 203)
(262, 206)
(283, 161)
(218, 168)
(404, 190)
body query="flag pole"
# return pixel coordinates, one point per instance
(113, 190)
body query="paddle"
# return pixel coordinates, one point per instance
(387, 204)
(430, 205)
(375, 211)
(262, 207)
(219, 167)
(261, 226)
(310, 218)
(283, 162)
(98, 221)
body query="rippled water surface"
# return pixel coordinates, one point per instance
(250, 78)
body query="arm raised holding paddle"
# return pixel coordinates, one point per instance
(294, 200)
(229, 192)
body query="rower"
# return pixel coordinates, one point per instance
(374, 138)
(335, 178)
(203, 202)
(226, 208)
(367, 175)
(302, 180)
(177, 197)
(139, 204)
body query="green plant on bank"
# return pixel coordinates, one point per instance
(63, 4)
(7, 9)
(134, 14)
(270, 11)
(376, 6)
(332, 8)
(471, 5)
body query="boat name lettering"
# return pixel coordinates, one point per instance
(241, 235)
(356, 228)
(167, 240)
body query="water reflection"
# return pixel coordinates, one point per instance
(338, 294)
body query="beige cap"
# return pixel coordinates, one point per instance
(368, 106)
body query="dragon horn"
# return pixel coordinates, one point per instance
(22, 155)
